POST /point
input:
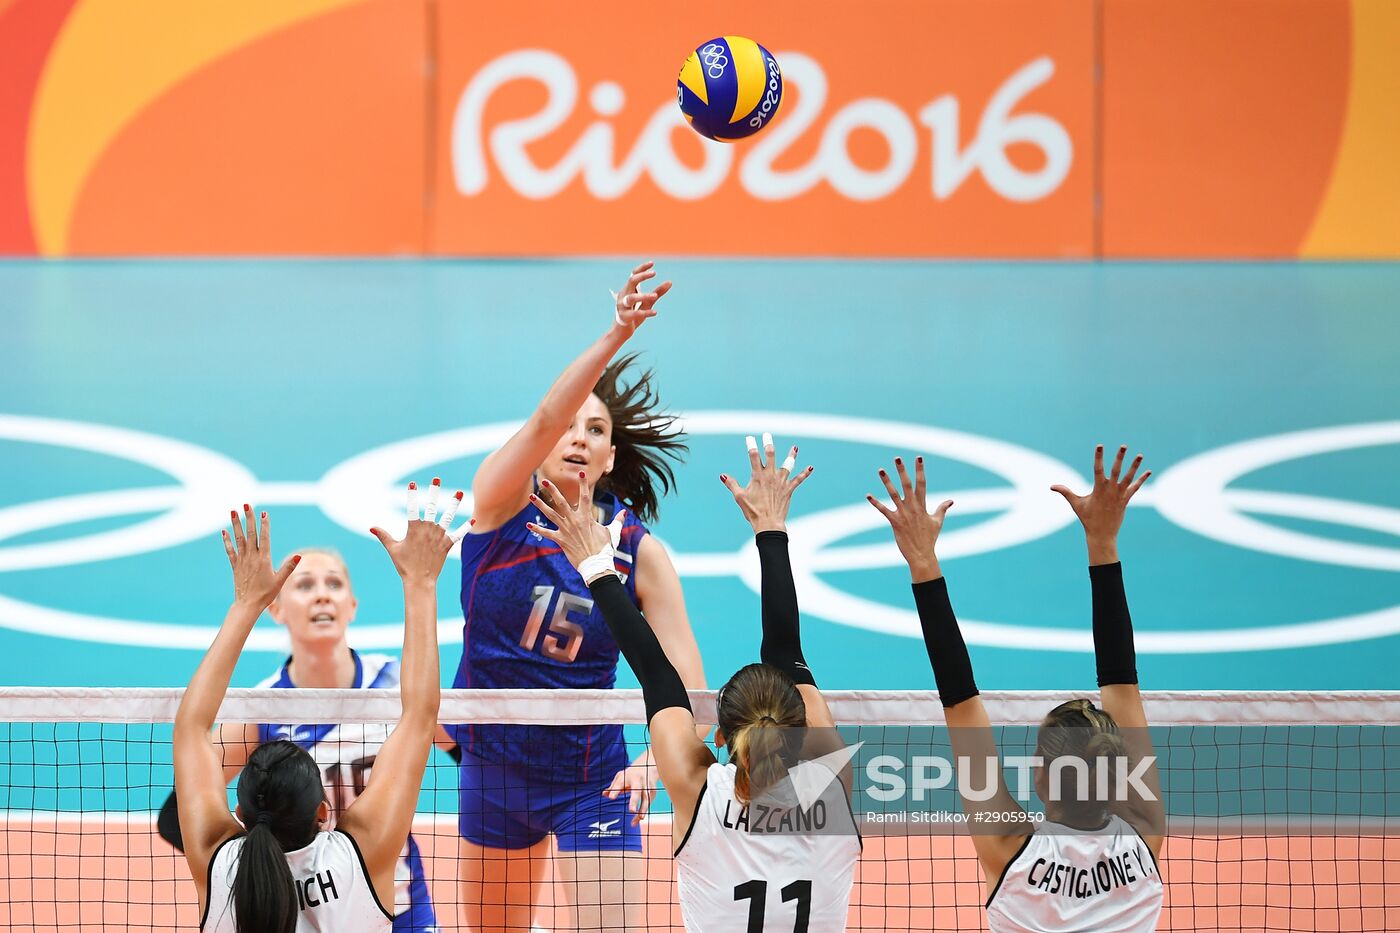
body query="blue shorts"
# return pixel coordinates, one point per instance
(420, 916)
(499, 809)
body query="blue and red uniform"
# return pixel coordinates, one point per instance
(530, 623)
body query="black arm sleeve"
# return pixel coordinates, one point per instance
(661, 685)
(168, 823)
(782, 635)
(947, 652)
(1113, 627)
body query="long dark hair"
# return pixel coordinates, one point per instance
(644, 437)
(278, 793)
(762, 715)
(1080, 730)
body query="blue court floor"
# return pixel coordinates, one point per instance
(139, 400)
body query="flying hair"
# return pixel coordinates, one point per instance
(646, 439)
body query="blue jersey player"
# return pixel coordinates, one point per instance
(530, 623)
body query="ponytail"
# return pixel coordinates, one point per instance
(264, 895)
(762, 716)
(1080, 730)
(758, 755)
(279, 792)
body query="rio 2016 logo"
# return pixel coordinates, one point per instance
(606, 175)
(1194, 494)
(770, 94)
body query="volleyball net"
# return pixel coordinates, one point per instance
(1283, 809)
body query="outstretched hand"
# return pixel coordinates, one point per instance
(1101, 511)
(915, 530)
(633, 306)
(420, 555)
(765, 500)
(250, 556)
(576, 531)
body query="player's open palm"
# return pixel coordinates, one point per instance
(249, 549)
(419, 556)
(765, 500)
(1101, 511)
(915, 529)
(575, 530)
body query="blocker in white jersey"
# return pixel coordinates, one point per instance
(771, 865)
(333, 891)
(1079, 881)
(345, 754)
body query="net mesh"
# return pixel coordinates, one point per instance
(1283, 810)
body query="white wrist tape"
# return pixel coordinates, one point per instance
(595, 566)
(616, 317)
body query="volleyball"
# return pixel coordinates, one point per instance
(729, 88)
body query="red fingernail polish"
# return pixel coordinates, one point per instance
(264, 515)
(412, 485)
(471, 521)
(882, 472)
(458, 497)
(296, 560)
(918, 459)
(437, 481)
(247, 507)
(898, 460)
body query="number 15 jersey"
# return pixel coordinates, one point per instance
(529, 623)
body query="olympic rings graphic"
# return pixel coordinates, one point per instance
(715, 59)
(365, 490)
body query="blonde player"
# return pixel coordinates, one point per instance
(762, 842)
(1091, 866)
(275, 869)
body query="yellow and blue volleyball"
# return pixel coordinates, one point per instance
(730, 88)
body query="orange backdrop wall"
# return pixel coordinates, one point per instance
(938, 127)
(1016, 128)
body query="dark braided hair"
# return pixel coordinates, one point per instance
(644, 437)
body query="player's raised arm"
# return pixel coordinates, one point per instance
(200, 785)
(916, 533)
(1101, 513)
(503, 479)
(681, 757)
(380, 819)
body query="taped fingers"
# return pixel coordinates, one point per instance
(450, 512)
(430, 510)
(790, 461)
(751, 445)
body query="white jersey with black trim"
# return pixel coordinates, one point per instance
(345, 754)
(1067, 880)
(767, 866)
(333, 890)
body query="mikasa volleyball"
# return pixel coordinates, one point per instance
(729, 88)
